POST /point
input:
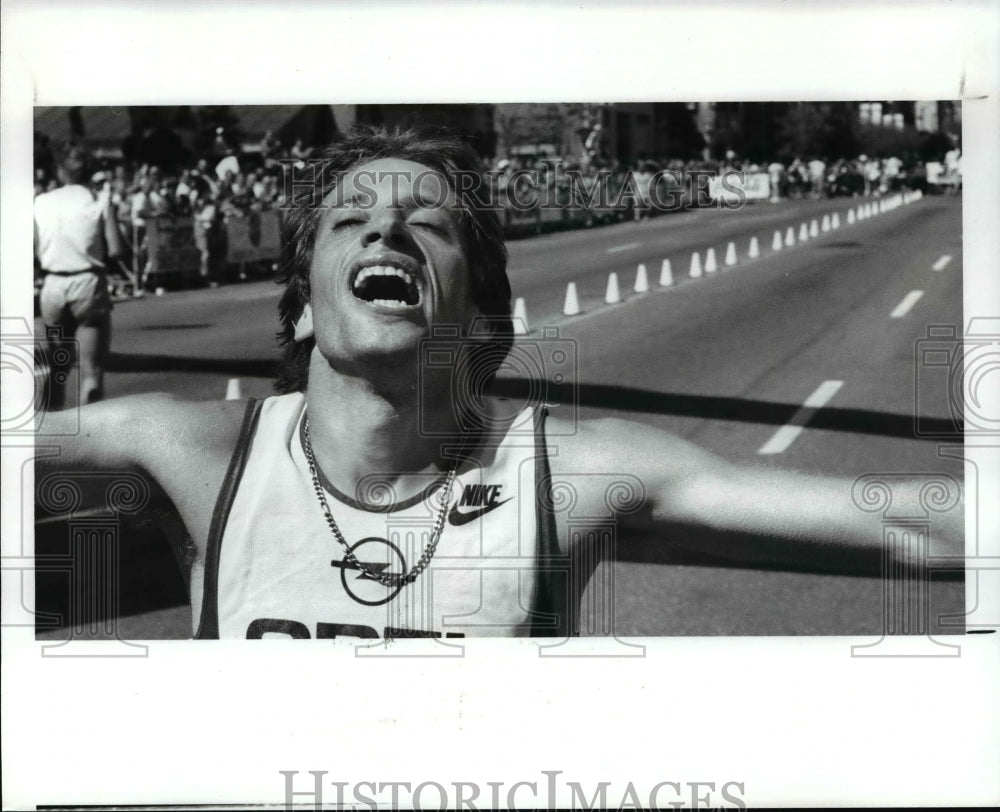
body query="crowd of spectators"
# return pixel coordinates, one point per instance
(681, 184)
(226, 184)
(230, 183)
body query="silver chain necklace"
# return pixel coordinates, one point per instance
(386, 579)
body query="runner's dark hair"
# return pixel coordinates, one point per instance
(75, 166)
(482, 234)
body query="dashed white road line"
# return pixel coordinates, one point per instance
(942, 263)
(906, 305)
(786, 435)
(614, 249)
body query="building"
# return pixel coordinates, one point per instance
(604, 133)
(171, 135)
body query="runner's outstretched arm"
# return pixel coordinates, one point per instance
(692, 497)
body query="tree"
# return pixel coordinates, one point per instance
(883, 142)
(525, 124)
(801, 131)
(841, 131)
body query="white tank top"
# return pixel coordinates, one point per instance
(274, 568)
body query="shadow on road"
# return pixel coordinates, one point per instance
(199, 326)
(94, 567)
(681, 545)
(741, 410)
(604, 396)
(249, 367)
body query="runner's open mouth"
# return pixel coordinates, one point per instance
(387, 286)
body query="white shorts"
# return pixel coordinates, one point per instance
(80, 296)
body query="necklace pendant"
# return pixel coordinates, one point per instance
(391, 581)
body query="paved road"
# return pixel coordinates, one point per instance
(724, 359)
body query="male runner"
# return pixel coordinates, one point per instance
(382, 494)
(75, 236)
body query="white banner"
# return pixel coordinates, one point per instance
(170, 246)
(735, 187)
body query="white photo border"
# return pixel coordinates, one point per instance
(798, 722)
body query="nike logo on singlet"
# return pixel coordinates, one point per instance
(482, 497)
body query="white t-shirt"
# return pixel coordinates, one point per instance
(227, 164)
(147, 204)
(69, 229)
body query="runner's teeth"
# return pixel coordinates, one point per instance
(368, 285)
(382, 270)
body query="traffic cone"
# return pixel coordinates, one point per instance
(233, 391)
(711, 266)
(571, 307)
(612, 296)
(730, 254)
(666, 274)
(790, 236)
(520, 318)
(861, 212)
(754, 251)
(825, 225)
(776, 242)
(850, 217)
(641, 279)
(835, 221)
(803, 232)
(814, 229)
(695, 265)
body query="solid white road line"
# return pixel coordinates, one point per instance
(786, 435)
(614, 249)
(906, 305)
(942, 263)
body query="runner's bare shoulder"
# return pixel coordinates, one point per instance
(151, 432)
(668, 470)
